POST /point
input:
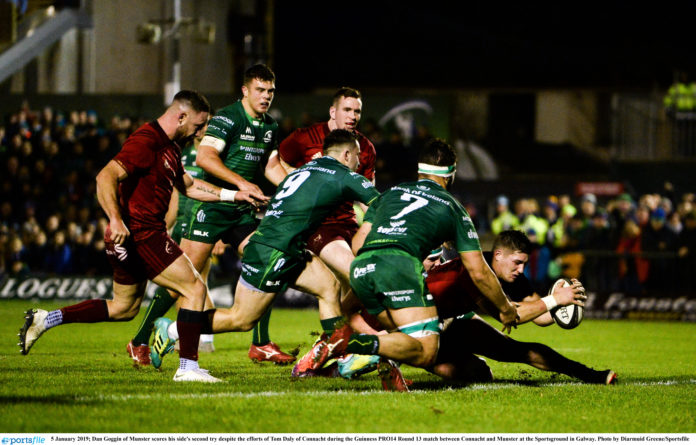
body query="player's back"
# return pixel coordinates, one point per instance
(305, 197)
(416, 217)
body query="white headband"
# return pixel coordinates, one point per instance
(437, 170)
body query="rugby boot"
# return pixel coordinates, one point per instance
(270, 352)
(32, 329)
(140, 354)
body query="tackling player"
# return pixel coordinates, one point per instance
(275, 255)
(134, 190)
(403, 225)
(332, 240)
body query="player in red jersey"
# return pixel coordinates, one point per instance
(134, 190)
(466, 335)
(332, 241)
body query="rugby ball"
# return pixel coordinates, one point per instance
(567, 317)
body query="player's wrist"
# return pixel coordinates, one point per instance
(227, 195)
(550, 302)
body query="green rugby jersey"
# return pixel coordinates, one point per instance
(246, 139)
(417, 217)
(188, 160)
(305, 198)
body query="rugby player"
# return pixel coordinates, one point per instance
(466, 335)
(176, 220)
(332, 240)
(400, 229)
(235, 144)
(134, 190)
(275, 255)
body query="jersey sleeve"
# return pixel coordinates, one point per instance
(222, 128)
(137, 153)
(466, 238)
(292, 149)
(372, 210)
(359, 188)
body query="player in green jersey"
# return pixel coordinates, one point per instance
(275, 256)
(400, 229)
(232, 151)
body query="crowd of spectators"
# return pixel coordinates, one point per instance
(51, 223)
(637, 245)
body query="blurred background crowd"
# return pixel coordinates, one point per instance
(51, 223)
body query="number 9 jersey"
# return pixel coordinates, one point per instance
(305, 198)
(418, 217)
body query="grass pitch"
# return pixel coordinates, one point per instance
(78, 378)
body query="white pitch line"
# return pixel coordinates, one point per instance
(264, 394)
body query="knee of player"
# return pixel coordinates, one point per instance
(427, 356)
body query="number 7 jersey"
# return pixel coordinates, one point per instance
(418, 217)
(305, 198)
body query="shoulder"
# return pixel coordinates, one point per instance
(269, 120)
(365, 143)
(314, 134)
(146, 136)
(229, 114)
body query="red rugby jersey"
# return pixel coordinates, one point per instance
(153, 163)
(305, 144)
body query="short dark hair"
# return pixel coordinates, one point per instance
(514, 240)
(258, 71)
(346, 92)
(339, 137)
(193, 99)
(437, 152)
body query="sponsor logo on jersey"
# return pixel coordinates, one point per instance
(397, 223)
(168, 248)
(472, 234)
(367, 184)
(248, 135)
(392, 230)
(399, 295)
(362, 271)
(268, 136)
(224, 119)
(273, 283)
(423, 187)
(275, 213)
(200, 216)
(200, 233)
(275, 205)
(249, 269)
(216, 128)
(466, 219)
(316, 155)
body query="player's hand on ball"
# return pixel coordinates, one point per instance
(572, 294)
